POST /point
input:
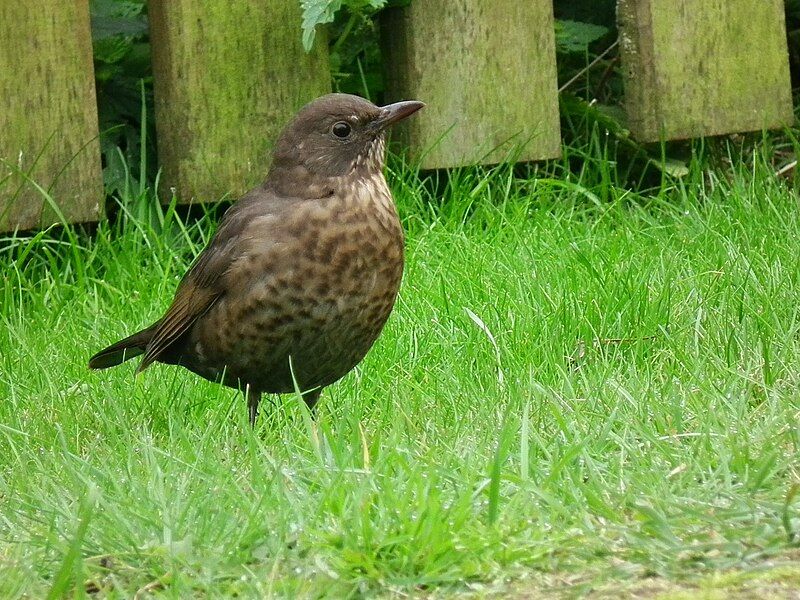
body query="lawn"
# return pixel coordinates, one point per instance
(583, 390)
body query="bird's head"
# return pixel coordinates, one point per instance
(334, 136)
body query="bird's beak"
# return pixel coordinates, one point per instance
(392, 113)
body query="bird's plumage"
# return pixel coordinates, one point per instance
(303, 271)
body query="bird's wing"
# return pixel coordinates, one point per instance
(202, 285)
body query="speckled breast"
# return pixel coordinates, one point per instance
(321, 286)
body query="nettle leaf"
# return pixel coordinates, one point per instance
(108, 27)
(116, 8)
(322, 12)
(316, 12)
(575, 36)
(111, 50)
(117, 17)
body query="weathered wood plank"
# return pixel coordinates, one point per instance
(704, 67)
(48, 115)
(487, 72)
(228, 75)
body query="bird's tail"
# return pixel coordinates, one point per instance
(123, 350)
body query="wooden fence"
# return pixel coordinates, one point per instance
(229, 73)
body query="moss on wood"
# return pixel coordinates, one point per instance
(228, 75)
(48, 115)
(487, 72)
(697, 67)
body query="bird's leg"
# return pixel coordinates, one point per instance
(310, 398)
(253, 398)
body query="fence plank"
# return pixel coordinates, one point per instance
(694, 68)
(487, 73)
(48, 115)
(228, 75)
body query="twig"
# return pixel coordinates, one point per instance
(786, 168)
(153, 586)
(581, 73)
(623, 340)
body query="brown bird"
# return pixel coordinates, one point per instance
(303, 271)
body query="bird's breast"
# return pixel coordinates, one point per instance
(316, 284)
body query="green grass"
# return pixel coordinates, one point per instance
(581, 388)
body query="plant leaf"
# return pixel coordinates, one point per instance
(575, 36)
(322, 12)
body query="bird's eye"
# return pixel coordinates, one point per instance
(341, 129)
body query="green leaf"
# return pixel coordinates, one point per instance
(316, 12)
(575, 36)
(107, 27)
(672, 166)
(117, 17)
(322, 12)
(111, 50)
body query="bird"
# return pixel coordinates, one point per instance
(297, 282)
